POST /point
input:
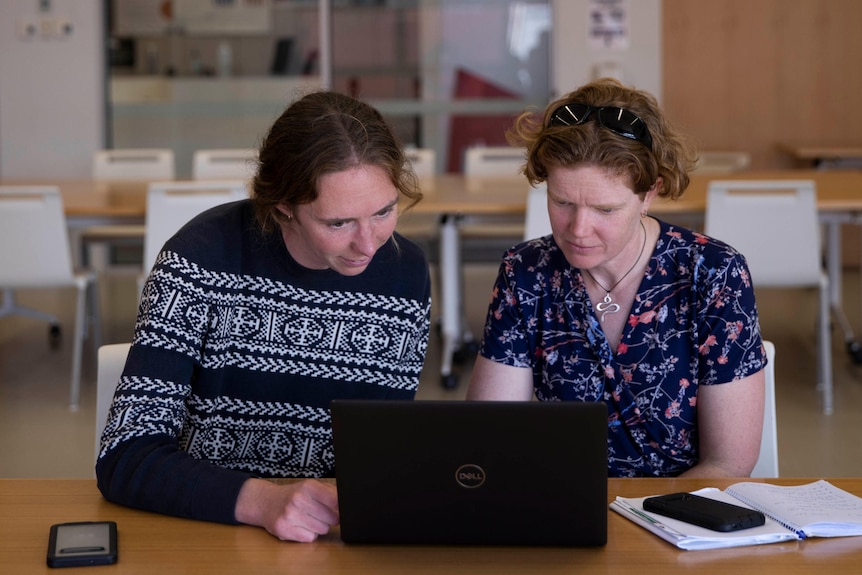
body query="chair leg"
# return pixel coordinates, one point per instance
(450, 297)
(95, 312)
(10, 307)
(78, 348)
(824, 341)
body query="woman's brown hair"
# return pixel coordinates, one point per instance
(321, 133)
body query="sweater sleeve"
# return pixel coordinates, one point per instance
(141, 463)
(152, 473)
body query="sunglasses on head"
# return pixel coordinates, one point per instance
(618, 120)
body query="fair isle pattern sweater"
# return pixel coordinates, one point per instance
(238, 351)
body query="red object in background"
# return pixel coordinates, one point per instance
(472, 130)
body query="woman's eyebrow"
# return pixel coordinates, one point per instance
(388, 206)
(385, 208)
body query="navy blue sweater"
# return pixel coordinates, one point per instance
(237, 353)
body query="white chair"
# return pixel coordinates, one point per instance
(490, 162)
(774, 223)
(34, 253)
(484, 162)
(134, 164)
(537, 223)
(493, 160)
(130, 164)
(423, 160)
(767, 462)
(714, 162)
(420, 227)
(228, 164)
(171, 204)
(111, 360)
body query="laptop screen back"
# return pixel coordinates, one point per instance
(470, 472)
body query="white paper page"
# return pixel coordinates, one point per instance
(819, 509)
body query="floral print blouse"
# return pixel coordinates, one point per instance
(693, 322)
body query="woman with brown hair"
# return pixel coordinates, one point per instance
(257, 314)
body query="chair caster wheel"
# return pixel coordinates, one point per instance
(449, 381)
(55, 334)
(465, 352)
(855, 351)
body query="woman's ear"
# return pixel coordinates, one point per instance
(652, 193)
(285, 210)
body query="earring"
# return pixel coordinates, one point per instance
(644, 214)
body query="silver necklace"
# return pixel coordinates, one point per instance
(608, 305)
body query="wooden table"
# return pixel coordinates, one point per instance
(824, 157)
(837, 190)
(155, 544)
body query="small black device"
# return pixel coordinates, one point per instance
(82, 543)
(704, 512)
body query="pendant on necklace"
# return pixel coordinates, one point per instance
(607, 306)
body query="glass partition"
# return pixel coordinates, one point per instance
(202, 74)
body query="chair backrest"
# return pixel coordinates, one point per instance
(767, 463)
(494, 160)
(111, 360)
(537, 223)
(722, 162)
(134, 164)
(34, 241)
(171, 204)
(424, 161)
(773, 223)
(230, 164)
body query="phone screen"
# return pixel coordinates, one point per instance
(82, 543)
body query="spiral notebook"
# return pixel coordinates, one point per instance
(471, 472)
(818, 509)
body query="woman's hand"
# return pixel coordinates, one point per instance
(299, 511)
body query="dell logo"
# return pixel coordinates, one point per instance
(470, 476)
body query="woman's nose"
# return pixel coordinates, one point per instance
(578, 223)
(365, 241)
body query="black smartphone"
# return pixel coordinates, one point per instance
(704, 512)
(82, 543)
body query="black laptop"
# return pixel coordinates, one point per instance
(471, 472)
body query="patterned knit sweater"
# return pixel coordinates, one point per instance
(238, 351)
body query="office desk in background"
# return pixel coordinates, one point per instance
(824, 157)
(454, 198)
(839, 191)
(839, 202)
(151, 543)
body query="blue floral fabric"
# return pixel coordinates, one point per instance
(693, 322)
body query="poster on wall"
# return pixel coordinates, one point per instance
(608, 22)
